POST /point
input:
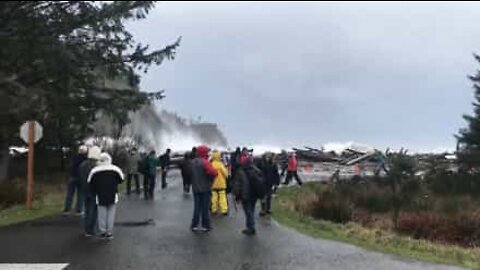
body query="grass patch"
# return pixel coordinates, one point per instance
(50, 199)
(373, 239)
(50, 203)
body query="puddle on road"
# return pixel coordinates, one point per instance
(148, 222)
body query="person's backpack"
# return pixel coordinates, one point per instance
(257, 181)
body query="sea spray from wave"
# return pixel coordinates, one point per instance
(158, 130)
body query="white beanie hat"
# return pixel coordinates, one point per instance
(105, 159)
(94, 152)
(82, 149)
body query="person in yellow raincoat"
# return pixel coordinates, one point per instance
(219, 187)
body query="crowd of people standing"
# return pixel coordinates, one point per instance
(95, 180)
(210, 175)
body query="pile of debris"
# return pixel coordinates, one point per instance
(316, 155)
(349, 156)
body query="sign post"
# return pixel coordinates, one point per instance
(31, 137)
(30, 132)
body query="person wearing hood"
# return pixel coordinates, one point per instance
(164, 162)
(244, 191)
(272, 179)
(292, 168)
(203, 175)
(283, 162)
(132, 171)
(186, 171)
(151, 163)
(104, 180)
(90, 218)
(234, 161)
(219, 187)
(74, 183)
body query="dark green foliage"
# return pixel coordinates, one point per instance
(11, 194)
(373, 198)
(455, 184)
(57, 60)
(469, 137)
(401, 177)
(57, 57)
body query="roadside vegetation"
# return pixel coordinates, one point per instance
(49, 199)
(431, 226)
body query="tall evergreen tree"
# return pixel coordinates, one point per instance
(54, 55)
(469, 137)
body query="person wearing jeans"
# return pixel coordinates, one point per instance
(203, 174)
(72, 187)
(135, 177)
(200, 210)
(164, 162)
(132, 171)
(272, 179)
(249, 209)
(91, 214)
(106, 219)
(90, 218)
(104, 180)
(151, 185)
(152, 163)
(74, 183)
(146, 185)
(244, 193)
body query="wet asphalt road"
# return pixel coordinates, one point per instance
(167, 243)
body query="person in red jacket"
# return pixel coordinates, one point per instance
(292, 168)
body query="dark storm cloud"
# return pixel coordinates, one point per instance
(311, 73)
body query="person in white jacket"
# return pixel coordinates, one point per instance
(104, 180)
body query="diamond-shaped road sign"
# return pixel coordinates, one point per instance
(24, 132)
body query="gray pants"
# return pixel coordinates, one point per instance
(106, 218)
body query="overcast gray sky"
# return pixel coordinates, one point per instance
(383, 74)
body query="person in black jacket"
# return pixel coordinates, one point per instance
(104, 180)
(234, 162)
(186, 171)
(244, 191)
(283, 161)
(164, 161)
(90, 217)
(74, 183)
(272, 179)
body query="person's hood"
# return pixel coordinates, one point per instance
(101, 167)
(202, 151)
(94, 153)
(105, 159)
(216, 156)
